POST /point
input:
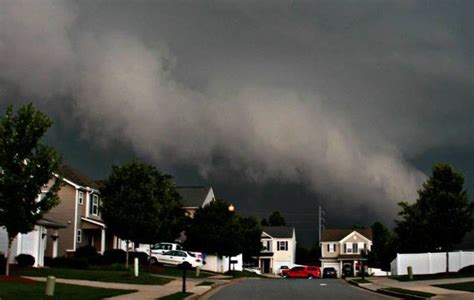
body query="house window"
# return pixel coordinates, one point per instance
(355, 248)
(81, 197)
(267, 245)
(348, 247)
(282, 246)
(95, 205)
(79, 235)
(331, 247)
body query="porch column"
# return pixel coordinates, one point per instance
(102, 241)
(55, 238)
(339, 274)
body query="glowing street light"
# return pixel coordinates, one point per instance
(231, 208)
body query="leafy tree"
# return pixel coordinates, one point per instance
(141, 205)
(307, 256)
(383, 247)
(214, 229)
(441, 215)
(276, 219)
(26, 165)
(251, 237)
(264, 222)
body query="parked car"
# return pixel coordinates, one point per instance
(329, 273)
(347, 271)
(177, 258)
(283, 271)
(159, 248)
(309, 272)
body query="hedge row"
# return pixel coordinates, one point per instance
(88, 256)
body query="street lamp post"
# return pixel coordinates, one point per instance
(231, 209)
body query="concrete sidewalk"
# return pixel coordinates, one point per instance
(146, 292)
(422, 286)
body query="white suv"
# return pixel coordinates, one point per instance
(178, 257)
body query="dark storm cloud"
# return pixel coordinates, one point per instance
(337, 96)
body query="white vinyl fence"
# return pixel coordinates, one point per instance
(431, 263)
(219, 264)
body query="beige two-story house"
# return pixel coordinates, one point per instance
(340, 247)
(278, 248)
(79, 211)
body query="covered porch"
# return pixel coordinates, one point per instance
(94, 233)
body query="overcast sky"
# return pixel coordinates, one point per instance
(276, 104)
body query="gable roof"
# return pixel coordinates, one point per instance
(280, 232)
(338, 234)
(75, 176)
(193, 196)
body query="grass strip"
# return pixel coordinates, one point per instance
(176, 296)
(94, 275)
(461, 286)
(408, 293)
(14, 290)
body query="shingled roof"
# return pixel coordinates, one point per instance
(193, 196)
(338, 234)
(76, 177)
(281, 232)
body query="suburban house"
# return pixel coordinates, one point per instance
(194, 197)
(279, 248)
(340, 247)
(33, 242)
(75, 222)
(79, 210)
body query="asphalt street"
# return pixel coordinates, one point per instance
(294, 289)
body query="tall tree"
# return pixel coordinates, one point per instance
(276, 219)
(140, 204)
(26, 165)
(441, 215)
(216, 230)
(251, 237)
(383, 247)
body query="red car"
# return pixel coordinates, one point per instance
(309, 272)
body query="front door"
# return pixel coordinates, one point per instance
(265, 265)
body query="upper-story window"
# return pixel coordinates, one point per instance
(331, 247)
(95, 205)
(267, 245)
(348, 247)
(282, 246)
(80, 197)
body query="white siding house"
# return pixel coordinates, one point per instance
(279, 248)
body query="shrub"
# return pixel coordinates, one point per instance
(89, 253)
(114, 256)
(25, 260)
(142, 257)
(467, 270)
(3, 262)
(69, 262)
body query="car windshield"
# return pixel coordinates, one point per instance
(168, 253)
(330, 269)
(191, 254)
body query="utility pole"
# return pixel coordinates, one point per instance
(321, 221)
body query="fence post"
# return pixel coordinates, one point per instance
(135, 269)
(410, 272)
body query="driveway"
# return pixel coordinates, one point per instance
(295, 289)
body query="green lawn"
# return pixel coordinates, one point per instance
(94, 275)
(206, 283)
(170, 271)
(433, 276)
(409, 292)
(176, 296)
(461, 286)
(13, 290)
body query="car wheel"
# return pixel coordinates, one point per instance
(310, 277)
(285, 276)
(153, 261)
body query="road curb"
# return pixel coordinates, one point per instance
(384, 291)
(214, 289)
